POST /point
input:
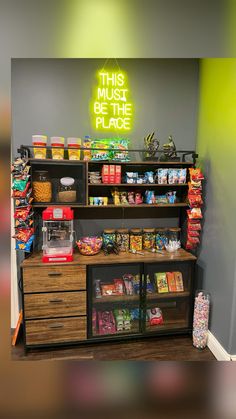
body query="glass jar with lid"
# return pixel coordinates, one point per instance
(42, 186)
(67, 190)
(122, 239)
(136, 240)
(174, 234)
(109, 236)
(148, 238)
(161, 238)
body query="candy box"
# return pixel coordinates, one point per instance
(112, 173)
(108, 289)
(117, 174)
(105, 173)
(171, 281)
(161, 282)
(120, 286)
(179, 281)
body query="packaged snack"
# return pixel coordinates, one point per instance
(193, 240)
(193, 190)
(136, 284)
(195, 174)
(24, 224)
(97, 286)
(18, 166)
(161, 199)
(171, 197)
(150, 197)
(155, 316)
(128, 280)
(123, 198)
(161, 282)
(74, 145)
(182, 174)
(193, 233)
(162, 176)
(23, 202)
(171, 281)
(119, 319)
(57, 144)
(190, 246)
(108, 289)
(127, 319)
(22, 194)
(135, 313)
(131, 177)
(23, 234)
(117, 173)
(141, 179)
(194, 213)
(120, 286)
(106, 323)
(39, 141)
(131, 199)
(22, 213)
(87, 143)
(116, 196)
(195, 200)
(103, 153)
(149, 287)
(173, 176)
(26, 247)
(194, 225)
(179, 282)
(112, 173)
(149, 177)
(20, 184)
(121, 146)
(138, 198)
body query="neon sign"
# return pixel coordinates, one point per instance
(111, 108)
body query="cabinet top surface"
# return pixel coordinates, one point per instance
(100, 259)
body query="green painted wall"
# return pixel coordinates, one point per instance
(216, 146)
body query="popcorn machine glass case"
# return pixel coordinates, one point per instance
(58, 234)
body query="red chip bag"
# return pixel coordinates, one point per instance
(194, 213)
(21, 194)
(22, 213)
(195, 174)
(194, 225)
(195, 200)
(23, 234)
(193, 233)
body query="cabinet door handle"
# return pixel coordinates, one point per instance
(56, 300)
(54, 274)
(56, 326)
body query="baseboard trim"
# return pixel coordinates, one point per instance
(217, 349)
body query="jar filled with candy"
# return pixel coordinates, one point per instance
(149, 238)
(161, 238)
(109, 236)
(174, 234)
(200, 319)
(42, 186)
(122, 239)
(136, 240)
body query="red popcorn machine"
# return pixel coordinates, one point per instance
(58, 234)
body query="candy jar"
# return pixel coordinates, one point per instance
(109, 236)
(149, 238)
(122, 239)
(161, 238)
(174, 234)
(136, 237)
(200, 319)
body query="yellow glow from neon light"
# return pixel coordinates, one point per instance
(111, 108)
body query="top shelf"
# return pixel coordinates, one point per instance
(95, 162)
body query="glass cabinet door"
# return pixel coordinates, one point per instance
(167, 296)
(114, 300)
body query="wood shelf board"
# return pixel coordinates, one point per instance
(168, 324)
(166, 295)
(137, 185)
(117, 298)
(129, 163)
(180, 255)
(74, 205)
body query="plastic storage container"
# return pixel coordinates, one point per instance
(58, 151)
(42, 186)
(136, 240)
(74, 152)
(67, 190)
(201, 319)
(149, 238)
(122, 239)
(41, 142)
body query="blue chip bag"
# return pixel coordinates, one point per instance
(25, 246)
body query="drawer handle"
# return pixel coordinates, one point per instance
(56, 300)
(54, 274)
(56, 326)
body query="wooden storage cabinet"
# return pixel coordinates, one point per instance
(55, 304)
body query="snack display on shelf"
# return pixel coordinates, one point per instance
(194, 213)
(21, 193)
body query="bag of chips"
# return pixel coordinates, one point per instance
(20, 245)
(23, 234)
(23, 213)
(195, 174)
(173, 176)
(21, 194)
(162, 176)
(194, 213)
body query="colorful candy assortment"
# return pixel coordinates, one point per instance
(161, 177)
(89, 246)
(200, 319)
(113, 321)
(169, 282)
(194, 213)
(21, 193)
(127, 285)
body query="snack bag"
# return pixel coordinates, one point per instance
(22, 194)
(150, 197)
(161, 282)
(171, 197)
(194, 213)
(162, 176)
(150, 286)
(194, 225)
(182, 174)
(161, 199)
(87, 143)
(108, 289)
(122, 145)
(23, 234)
(195, 200)
(173, 176)
(24, 224)
(104, 153)
(193, 190)
(138, 198)
(155, 316)
(22, 213)
(116, 196)
(20, 184)
(195, 174)
(171, 281)
(149, 177)
(20, 245)
(120, 286)
(23, 202)
(136, 284)
(179, 281)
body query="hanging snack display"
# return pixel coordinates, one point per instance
(24, 231)
(122, 239)
(200, 319)
(42, 186)
(136, 240)
(194, 213)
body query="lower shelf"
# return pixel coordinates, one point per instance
(167, 325)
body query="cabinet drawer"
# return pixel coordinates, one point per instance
(55, 304)
(55, 330)
(54, 278)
